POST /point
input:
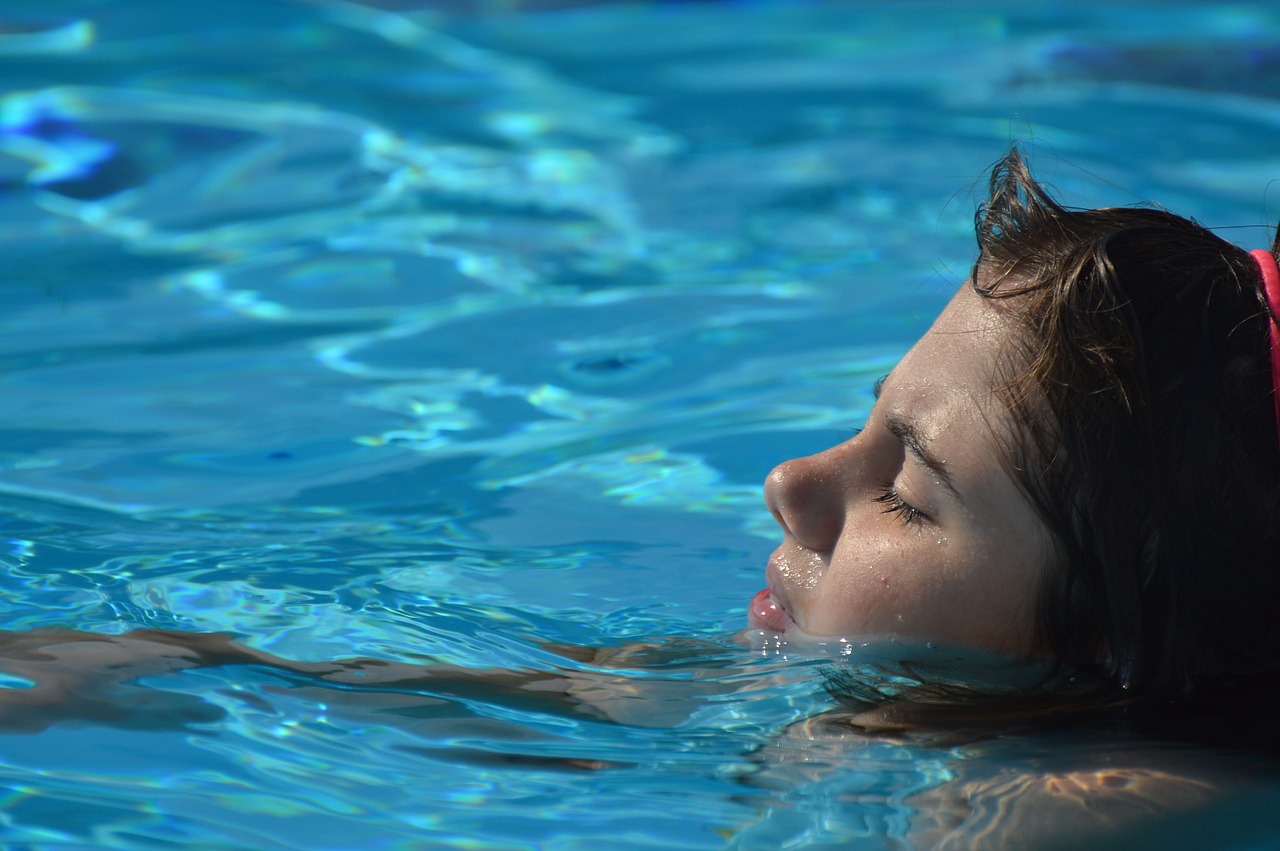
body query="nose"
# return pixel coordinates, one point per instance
(805, 496)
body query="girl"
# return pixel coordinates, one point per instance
(1078, 463)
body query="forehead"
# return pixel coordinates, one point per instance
(948, 387)
(959, 355)
(971, 330)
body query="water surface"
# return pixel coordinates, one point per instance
(459, 329)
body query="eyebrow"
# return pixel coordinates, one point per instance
(907, 432)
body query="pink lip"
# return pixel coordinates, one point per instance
(765, 612)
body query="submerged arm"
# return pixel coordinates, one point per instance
(63, 675)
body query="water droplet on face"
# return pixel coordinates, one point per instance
(813, 570)
(804, 575)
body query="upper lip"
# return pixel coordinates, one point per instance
(776, 586)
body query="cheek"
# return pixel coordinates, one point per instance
(923, 586)
(980, 595)
(974, 585)
(871, 585)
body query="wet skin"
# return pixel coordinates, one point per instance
(913, 527)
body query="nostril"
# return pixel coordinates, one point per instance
(802, 498)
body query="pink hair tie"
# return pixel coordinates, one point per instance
(1271, 289)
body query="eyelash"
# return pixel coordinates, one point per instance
(891, 503)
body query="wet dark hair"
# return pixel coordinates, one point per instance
(1146, 440)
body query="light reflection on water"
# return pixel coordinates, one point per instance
(396, 329)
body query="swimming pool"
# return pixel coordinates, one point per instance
(461, 329)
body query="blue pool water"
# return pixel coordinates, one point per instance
(404, 329)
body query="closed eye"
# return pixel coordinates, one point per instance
(891, 503)
(879, 386)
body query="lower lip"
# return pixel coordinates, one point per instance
(765, 613)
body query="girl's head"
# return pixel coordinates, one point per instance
(1148, 439)
(913, 527)
(1079, 461)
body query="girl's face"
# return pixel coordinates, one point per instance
(913, 527)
